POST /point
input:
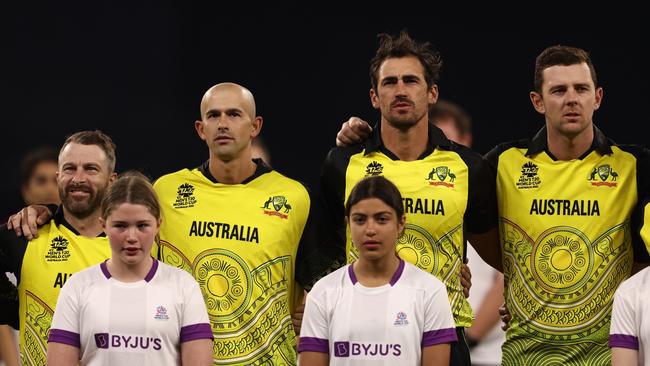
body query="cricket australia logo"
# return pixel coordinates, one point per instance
(529, 177)
(605, 173)
(58, 251)
(277, 206)
(438, 176)
(373, 169)
(185, 196)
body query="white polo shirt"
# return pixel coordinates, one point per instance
(630, 321)
(358, 325)
(139, 323)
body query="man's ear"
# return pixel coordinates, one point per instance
(374, 98)
(256, 126)
(538, 102)
(198, 126)
(599, 97)
(433, 94)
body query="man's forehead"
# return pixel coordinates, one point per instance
(224, 100)
(74, 153)
(567, 75)
(398, 67)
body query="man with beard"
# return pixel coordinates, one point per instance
(72, 241)
(447, 188)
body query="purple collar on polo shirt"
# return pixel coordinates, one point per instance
(393, 280)
(147, 278)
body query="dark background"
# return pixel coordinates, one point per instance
(138, 72)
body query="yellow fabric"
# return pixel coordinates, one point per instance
(566, 240)
(49, 261)
(240, 243)
(434, 190)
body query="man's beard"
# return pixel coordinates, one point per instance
(84, 208)
(402, 123)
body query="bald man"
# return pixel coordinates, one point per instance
(242, 230)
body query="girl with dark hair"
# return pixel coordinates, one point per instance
(378, 308)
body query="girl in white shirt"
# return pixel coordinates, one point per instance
(130, 309)
(380, 310)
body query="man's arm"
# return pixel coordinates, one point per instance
(319, 251)
(27, 220)
(488, 246)
(488, 312)
(353, 131)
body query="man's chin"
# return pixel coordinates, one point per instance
(402, 124)
(78, 209)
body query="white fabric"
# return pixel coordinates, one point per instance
(630, 320)
(129, 323)
(365, 326)
(488, 351)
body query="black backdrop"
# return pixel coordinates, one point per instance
(138, 73)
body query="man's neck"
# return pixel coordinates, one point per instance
(234, 171)
(88, 226)
(409, 144)
(565, 147)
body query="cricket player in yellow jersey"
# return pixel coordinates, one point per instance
(70, 242)
(447, 189)
(236, 225)
(566, 199)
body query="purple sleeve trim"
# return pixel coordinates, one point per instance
(623, 341)
(311, 344)
(196, 331)
(439, 336)
(65, 337)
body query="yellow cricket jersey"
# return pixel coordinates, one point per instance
(567, 245)
(49, 260)
(448, 190)
(240, 242)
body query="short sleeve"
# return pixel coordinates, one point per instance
(315, 325)
(623, 332)
(439, 326)
(482, 212)
(65, 323)
(195, 323)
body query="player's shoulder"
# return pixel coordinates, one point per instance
(334, 280)
(87, 277)
(505, 146)
(640, 281)
(174, 177)
(638, 151)
(414, 277)
(468, 154)
(278, 179)
(342, 154)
